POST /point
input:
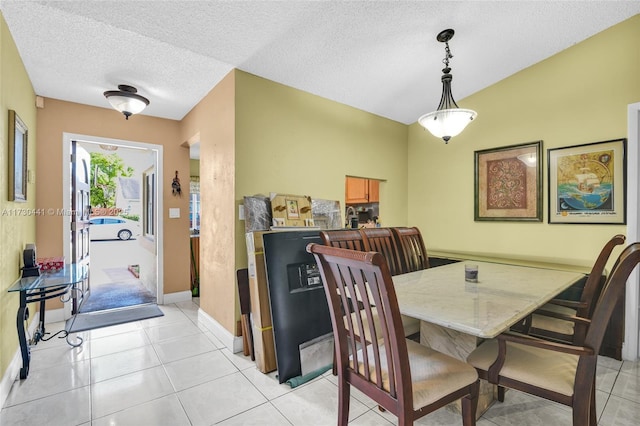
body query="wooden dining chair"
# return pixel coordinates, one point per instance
(413, 253)
(356, 239)
(403, 377)
(351, 239)
(383, 241)
(559, 372)
(551, 322)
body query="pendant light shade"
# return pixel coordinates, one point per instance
(126, 100)
(448, 120)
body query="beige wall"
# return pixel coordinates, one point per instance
(58, 117)
(212, 123)
(257, 136)
(17, 227)
(575, 97)
(289, 141)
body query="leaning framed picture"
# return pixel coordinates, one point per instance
(17, 158)
(508, 183)
(587, 183)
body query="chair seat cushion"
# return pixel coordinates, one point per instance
(433, 374)
(553, 370)
(554, 325)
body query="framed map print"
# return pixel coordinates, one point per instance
(587, 183)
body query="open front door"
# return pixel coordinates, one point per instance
(81, 206)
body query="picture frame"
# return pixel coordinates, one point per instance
(587, 183)
(508, 183)
(18, 154)
(292, 209)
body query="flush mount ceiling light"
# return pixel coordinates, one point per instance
(448, 120)
(126, 100)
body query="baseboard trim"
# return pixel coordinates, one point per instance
(233, 343)
(13, 369)
(180, 296)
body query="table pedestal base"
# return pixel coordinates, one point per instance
(458, 345)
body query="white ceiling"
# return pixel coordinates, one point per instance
(381, 57)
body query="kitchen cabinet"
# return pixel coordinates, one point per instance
(359, 190)
(374, 191)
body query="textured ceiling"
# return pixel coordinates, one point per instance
(381, 57)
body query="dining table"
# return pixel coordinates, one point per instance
(457, 315)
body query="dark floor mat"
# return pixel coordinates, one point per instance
(93, 320)
(116, 295)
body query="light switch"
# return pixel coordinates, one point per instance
(174, 212)
(241, 212)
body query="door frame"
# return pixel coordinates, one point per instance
(630, 346)
(67, 138)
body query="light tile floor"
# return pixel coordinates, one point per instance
(172, 371)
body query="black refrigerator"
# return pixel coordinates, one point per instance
(299, 309)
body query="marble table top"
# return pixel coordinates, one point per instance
(503, 295)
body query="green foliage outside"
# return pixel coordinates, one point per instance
(105, 170)
(135, 217)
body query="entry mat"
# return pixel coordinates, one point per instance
(93, 320)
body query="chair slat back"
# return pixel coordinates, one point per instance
(413, 253)
(363, 277)
(383, 241)
(351, 239)
(594, 284)
(613, 290)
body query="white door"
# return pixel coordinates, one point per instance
(81, 208)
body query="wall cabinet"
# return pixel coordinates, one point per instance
(359, 190)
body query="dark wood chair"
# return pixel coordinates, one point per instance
(403, 377)
(559, 372)
(351, 239)
(551, 321)
(242, 276)
(383, 241)
(413, 253)
(372, 239)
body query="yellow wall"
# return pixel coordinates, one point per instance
(58, 117)
(194, 167)
(212, 123)
(575, 97)
(289, 141)
(16, 227)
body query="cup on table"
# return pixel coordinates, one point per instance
(471, 272)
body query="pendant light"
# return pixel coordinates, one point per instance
(448, 120)
(126, 100)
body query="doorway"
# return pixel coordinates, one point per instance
(631, 345)
(125, 268)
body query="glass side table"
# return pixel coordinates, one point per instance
(38, 289)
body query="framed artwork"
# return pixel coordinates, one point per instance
(292, 209)
(18, 134)
(508, 182)
(587, 183)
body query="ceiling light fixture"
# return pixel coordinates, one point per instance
(448, 120)
(126, 100)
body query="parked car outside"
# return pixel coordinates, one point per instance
(112, 228)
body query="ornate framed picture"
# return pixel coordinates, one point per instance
(18, 134)
(587, 183)
(508, 182)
